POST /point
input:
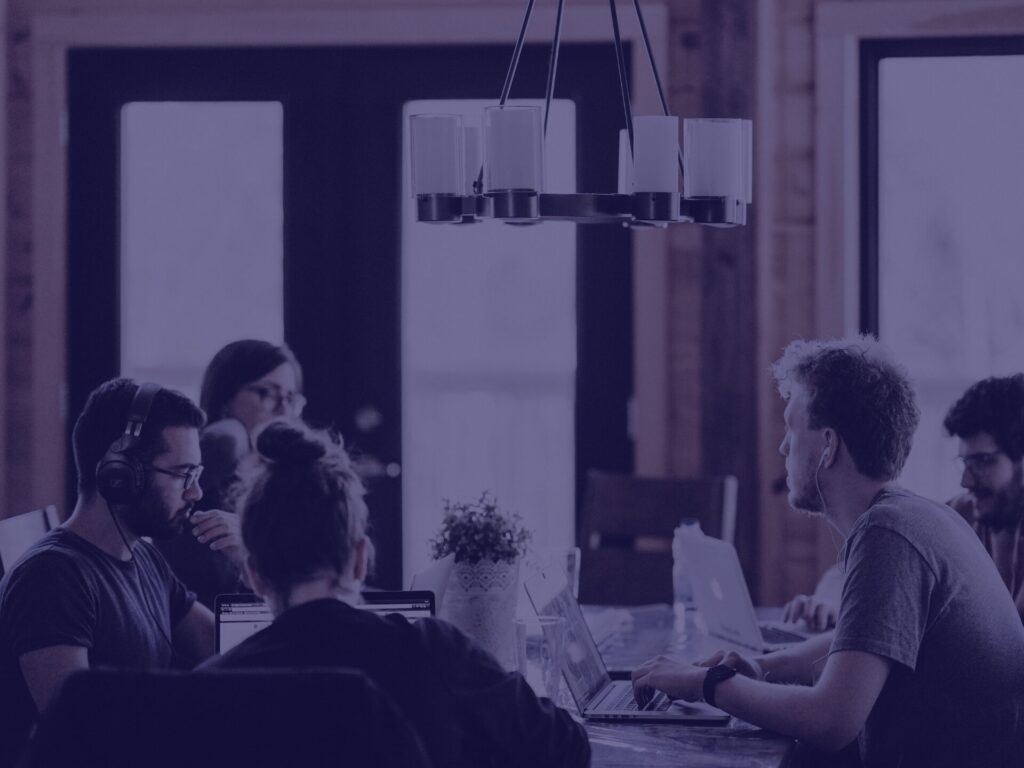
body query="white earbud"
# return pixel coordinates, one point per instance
(824, 453)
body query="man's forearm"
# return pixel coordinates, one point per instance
(792, 710)
(799, 663)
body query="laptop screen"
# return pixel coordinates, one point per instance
(412, 605)
(585, 672)
(241, 616)
(238, 617)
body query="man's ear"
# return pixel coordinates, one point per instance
(830, 453)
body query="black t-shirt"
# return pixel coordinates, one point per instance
(467, 709)
(66, 591)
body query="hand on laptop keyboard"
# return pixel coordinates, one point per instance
(776, 636)
(628, 702)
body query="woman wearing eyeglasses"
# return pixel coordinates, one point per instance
(247, 384)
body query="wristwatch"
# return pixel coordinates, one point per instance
(712, 678)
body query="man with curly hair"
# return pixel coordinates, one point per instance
(926, 666)
(989, 421)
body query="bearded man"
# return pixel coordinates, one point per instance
(989, 421)
(94, 592)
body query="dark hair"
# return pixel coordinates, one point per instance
(240, 363)
(105, 416)
(996, 406)
(303, 510)
(857, 389)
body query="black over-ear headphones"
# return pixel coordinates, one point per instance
(120, 475)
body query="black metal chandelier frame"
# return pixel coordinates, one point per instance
(530, 206)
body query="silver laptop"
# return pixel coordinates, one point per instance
(238, 617)
(723, 599)
(597, 696)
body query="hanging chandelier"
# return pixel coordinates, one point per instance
(507, 185)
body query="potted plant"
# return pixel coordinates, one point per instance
(487, 544)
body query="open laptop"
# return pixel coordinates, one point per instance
(597, 696)
(722, 597)
(241, 616)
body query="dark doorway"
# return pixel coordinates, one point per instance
(342, 181)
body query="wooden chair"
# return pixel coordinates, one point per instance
(19, 532)
(627, 528)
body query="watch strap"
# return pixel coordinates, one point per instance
(712, 678)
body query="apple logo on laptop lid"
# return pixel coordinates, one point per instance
(716, 590)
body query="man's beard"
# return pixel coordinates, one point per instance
(149, 516)
(808, 499)
(1007, 508)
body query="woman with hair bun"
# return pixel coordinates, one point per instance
(247, 384)
(304, 528)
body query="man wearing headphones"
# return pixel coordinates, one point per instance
(926, 667)
(93, 592)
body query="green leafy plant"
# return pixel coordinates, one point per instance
(479, 530)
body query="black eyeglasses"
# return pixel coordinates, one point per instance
(273, 398)
(190, 475)
(980, 463)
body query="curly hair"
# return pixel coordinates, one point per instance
(302, 510)
(856, 388)
(996, 406)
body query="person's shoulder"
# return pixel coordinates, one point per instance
(55, 573)
(442, 639)
(898, 509)
(56, 553)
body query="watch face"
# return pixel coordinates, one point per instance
(721, 672)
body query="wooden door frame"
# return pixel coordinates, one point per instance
(839, 30)
(53, 34)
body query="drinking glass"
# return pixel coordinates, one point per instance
(540, 652)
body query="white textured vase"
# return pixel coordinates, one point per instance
(481, 601)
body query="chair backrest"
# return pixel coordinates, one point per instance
(223, 719)
(627, 528)
(19, 532)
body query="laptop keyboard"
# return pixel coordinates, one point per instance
(627, 702)
(776, 636)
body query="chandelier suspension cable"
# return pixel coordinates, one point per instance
(717, 196)
(553, 64)
(510, 75)
(623, 83)
(514, 64)
(654, 69)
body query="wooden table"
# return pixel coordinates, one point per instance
(613, 745)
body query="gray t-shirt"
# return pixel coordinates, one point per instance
(921, 591)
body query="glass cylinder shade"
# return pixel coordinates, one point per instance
(717, 158)
(625, 185)
(474, 160)
(655, 153)
(438, 157)
(513, 149)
